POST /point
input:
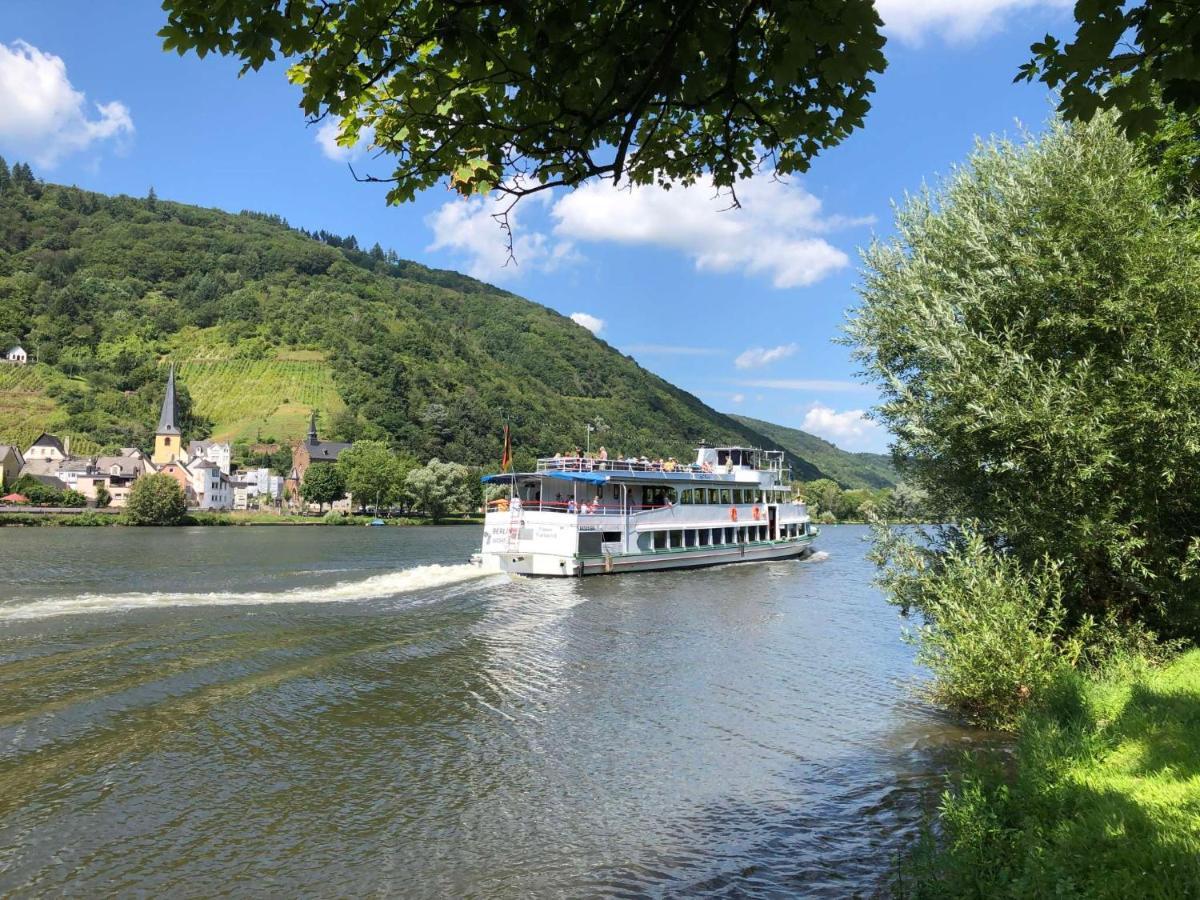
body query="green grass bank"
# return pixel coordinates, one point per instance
(1098, 797)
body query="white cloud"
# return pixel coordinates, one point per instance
(738, 398)
(773, 233)
(673, 350)
(469, 227)
(851, 429)
(42, 116)
(588, 321)
(326, 137)
(955, 20)
(762, 356)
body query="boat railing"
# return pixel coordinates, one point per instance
(613, 508)
(594, 464)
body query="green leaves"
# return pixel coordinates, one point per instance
(556, 92)
(1035, 331)
(1123, 58)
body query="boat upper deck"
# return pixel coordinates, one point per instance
(736, 464)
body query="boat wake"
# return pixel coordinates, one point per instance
(818, 556)
(375, 587)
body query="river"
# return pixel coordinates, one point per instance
(352, 711)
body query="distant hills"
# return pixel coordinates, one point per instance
(268, 323)
(851, 470)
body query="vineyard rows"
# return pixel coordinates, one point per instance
(245, 397)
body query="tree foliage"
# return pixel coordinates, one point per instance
(372, 473)
(155, 500)
(525, 96)
(323, 483)
(42, 494)
(1034, 328)
(1135, 58)
(993, 632)
(438, 488)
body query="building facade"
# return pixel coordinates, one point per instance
(216, 452)
(11, 462)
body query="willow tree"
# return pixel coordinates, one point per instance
(1034, 328)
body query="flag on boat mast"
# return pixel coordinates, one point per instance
(506, 455)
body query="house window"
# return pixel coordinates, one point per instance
(166, 442)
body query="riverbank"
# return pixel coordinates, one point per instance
(1100, 797)
(110, 518)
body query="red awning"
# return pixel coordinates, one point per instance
(14, 498)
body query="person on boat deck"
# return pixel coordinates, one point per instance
(669, 465)
(602, 454)
(571, 505)
(597, 505)
(516, 503)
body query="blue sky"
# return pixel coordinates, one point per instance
(739, 307)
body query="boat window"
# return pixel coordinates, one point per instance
(714, 495)
(612, 537)
(660, 540)
(705, 534)
(689, 538)
(685, 496)
(726, 496)
(730, 536)
(676, 538)
(722, 456)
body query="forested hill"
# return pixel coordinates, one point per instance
(851, 470)
(267, 322)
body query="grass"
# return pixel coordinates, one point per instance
(249, 399)
(1100, 797)
(25, 409)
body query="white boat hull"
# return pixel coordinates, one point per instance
(561, 566)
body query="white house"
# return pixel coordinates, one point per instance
(46, 447)
(214, 452)
(211, 486)
(268, 485)
(16, 355)
(70, 470)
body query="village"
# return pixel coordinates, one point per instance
(203, 469)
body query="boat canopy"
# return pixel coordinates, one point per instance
(605, 477)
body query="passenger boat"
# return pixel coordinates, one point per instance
(577, 516)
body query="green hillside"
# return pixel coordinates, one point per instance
(851, 470)
(267, 323)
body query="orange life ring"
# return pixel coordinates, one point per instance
(733, 514)
(757, 514)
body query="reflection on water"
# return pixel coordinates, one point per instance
(350, 711)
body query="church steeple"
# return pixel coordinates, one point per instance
(167, 437)
(170, 409)
(313, 440)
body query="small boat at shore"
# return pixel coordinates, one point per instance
(576, 516)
